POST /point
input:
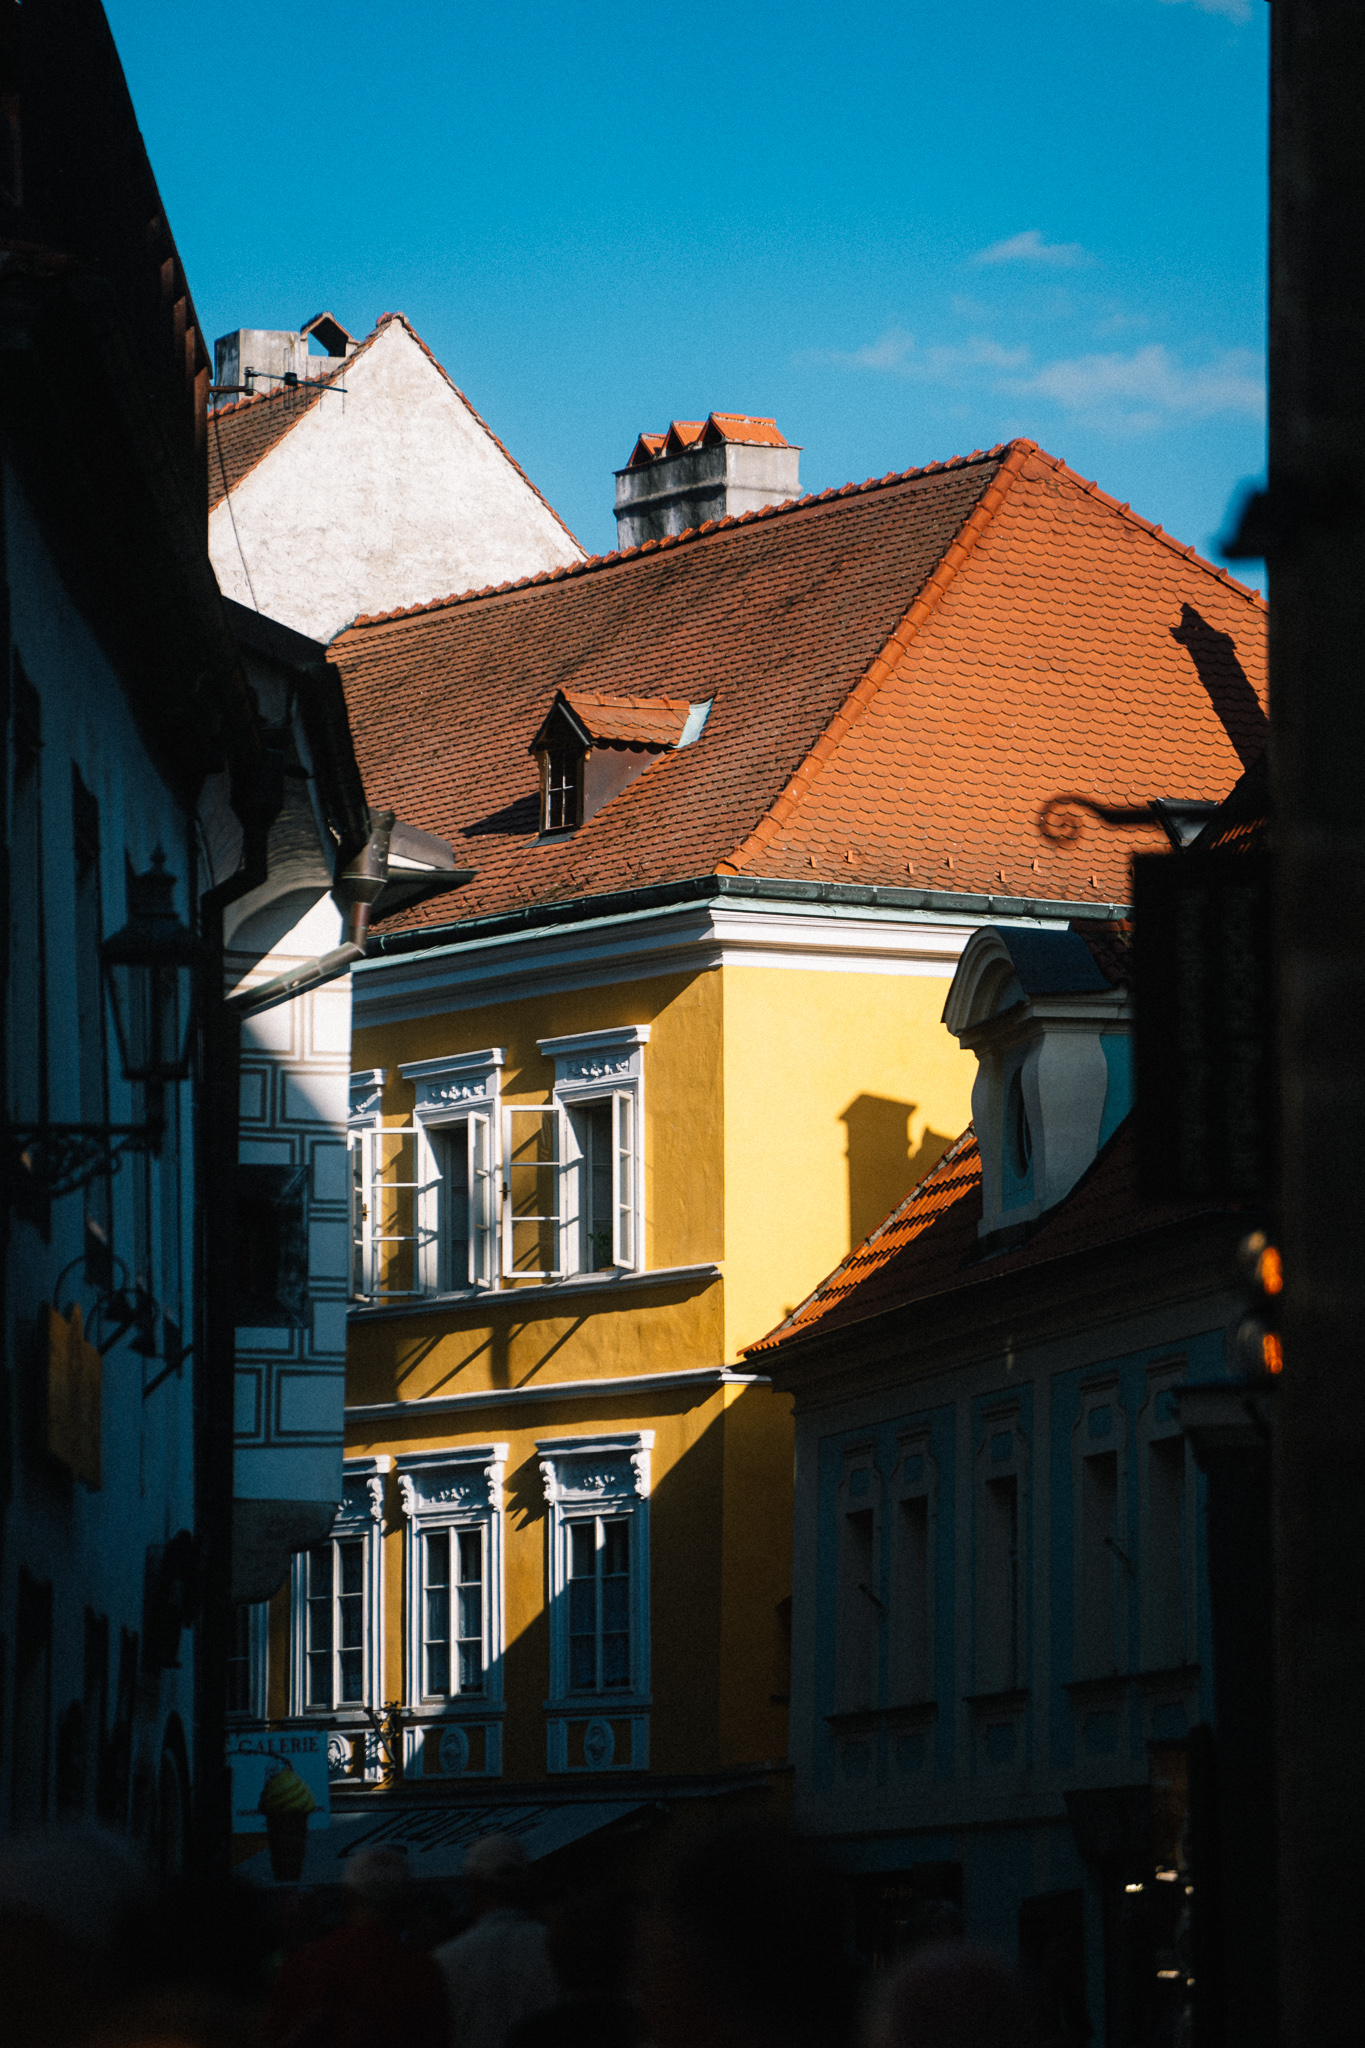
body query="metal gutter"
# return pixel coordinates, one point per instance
(703, 888)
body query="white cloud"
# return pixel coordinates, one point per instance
(1115, 392)
(1234, 10)
(1031, 248)
(899, 352)
(1143, 388)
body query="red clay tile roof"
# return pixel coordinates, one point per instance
(1110, 947)
(646, 449)
(241, 435)
(741, 426)
(711, 432)
(629, 721)
(681, 435)
(928, 1246)
(904, 672)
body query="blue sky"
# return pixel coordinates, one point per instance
(903, 231)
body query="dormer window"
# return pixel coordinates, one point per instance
(1049, 1026)
(561, 795)
(1018, 1138)
(591, 747)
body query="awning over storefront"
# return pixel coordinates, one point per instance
(436, 1837)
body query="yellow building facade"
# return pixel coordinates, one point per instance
(593, 1162)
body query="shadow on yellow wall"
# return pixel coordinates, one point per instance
(719, 1583)
(881, 1166)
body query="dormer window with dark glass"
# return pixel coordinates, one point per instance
(591, 747)
(561, 802)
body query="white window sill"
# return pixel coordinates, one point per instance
(537, 1290)
(469, 1707)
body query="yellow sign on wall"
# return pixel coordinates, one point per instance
(74, 1390)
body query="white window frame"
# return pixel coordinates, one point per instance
(361, 1514)
(915, 1456)
(461, 1088)
(1101, 1393)
(592, 1068)
(366, 1116)
(860, 1603)
(257, 1652)
(586, 1477)
(1152, 1428)
(456, 1487)
(987, 1654)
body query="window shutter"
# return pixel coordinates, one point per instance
(531, 1195)
(430, 1169)
(361, 1148)
(387, 1222)
(624, 1151)
(482, 1207)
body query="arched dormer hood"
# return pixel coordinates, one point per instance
(1047, 1014)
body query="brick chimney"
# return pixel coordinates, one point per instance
(699, 470)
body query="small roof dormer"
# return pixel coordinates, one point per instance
(1048, 1015)
(591, 746)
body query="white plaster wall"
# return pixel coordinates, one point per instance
(390, 495)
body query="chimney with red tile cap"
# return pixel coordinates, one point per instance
(706, 469)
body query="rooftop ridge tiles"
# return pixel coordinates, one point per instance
(1153, 528)
(604, 698)
(690, 534)
(885, 662)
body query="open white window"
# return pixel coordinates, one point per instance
(586, 1200)
(425, 1192)
(455, 1118)
(336, 1666)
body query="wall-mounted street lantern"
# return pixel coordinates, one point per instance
(151, 971)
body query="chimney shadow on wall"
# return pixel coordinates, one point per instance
(882, 1169)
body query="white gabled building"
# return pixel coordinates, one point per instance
(360, 481)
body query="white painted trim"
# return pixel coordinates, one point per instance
(485, 1466)
(594, 1067)
(363, 1517)
(367, 1088)
(685, 938)
(586, 1042)
(561, 1390)
(458, 1081)
(586, 1476)
(542, 1290)
(257, 1668)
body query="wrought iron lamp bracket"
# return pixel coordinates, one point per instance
(58, 1159)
